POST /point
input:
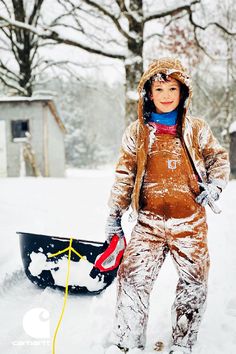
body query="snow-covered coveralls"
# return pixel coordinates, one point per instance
(158, 176)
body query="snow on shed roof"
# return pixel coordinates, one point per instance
(48, 99)
(24, 98)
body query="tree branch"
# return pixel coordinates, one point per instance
(171, 12)
(124, 10)
(174, 11)
(174, 18)
(112, 17)
(152, 36)
(6, 69)
(225, 30)
(46, 33)
(6, 7)
(11, 84)
(62, 16)
(35, 12)
(200, 46)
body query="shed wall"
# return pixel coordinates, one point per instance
(31, 111)
(35, 113)
(56, 147)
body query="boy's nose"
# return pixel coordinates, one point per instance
(167, 96)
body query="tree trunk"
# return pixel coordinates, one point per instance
(232, 154)
(134, 64)
(23, 48)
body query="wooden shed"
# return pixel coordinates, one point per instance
(31, 137)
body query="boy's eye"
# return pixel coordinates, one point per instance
(172, 89)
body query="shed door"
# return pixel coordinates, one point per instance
(3, 151)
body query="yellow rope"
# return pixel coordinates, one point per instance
(70, 249)
(67, 249)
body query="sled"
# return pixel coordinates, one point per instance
(45, 262)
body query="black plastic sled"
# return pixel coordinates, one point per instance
(44, 269)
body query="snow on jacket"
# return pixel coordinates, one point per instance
(208, 157)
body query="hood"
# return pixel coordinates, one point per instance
(171, 67)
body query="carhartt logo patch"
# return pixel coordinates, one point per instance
(172, 164)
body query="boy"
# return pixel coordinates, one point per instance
(170, 167)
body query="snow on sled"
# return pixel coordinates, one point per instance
(45, 261)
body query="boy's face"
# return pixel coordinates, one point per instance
(165, 95)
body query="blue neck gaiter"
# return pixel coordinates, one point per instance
(169, 118)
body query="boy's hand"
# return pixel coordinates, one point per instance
(113, 226)
(210, 193)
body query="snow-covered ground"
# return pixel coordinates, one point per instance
(77, 206)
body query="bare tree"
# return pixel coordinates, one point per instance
(22, 44)
(24, 66)
(221, 112)
(230, 67)
(111, 28)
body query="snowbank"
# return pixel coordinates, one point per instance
(77, 206)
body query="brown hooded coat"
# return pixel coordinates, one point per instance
(209, 159)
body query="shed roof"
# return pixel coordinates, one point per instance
(47, 99)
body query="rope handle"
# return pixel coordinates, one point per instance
(70, 249)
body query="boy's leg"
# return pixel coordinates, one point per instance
(142, 261)
(188, 247)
